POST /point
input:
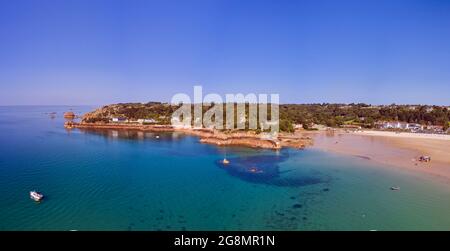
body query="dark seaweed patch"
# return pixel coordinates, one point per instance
(297, 206)
(279, 214)
(264, 169)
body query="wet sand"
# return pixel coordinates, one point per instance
(391, 149)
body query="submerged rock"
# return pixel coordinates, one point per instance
(297, 206)
(264, 169)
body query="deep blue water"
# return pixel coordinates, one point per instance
(129, 180)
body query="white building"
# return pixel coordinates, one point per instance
(395, 125)
(117, 120)
(402, 125)
(142, 121)
(414, 127)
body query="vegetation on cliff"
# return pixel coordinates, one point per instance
(333, 115)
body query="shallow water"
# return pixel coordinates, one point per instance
(119, 180)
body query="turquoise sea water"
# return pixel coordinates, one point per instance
(117, 180)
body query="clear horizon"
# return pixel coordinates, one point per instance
(103, 52)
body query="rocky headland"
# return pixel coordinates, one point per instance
(106, 118)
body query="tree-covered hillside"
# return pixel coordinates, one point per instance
(333, 115)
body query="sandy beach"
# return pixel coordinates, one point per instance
(391, 149)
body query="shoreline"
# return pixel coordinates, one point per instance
(409, 135)
(208, 136)
(390, 149)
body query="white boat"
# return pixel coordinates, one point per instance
(395, 188)
(36, 196)
(225, 162)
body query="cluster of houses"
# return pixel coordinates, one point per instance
(137, 121)
(400, 125)
(389, 125)
(412, 127)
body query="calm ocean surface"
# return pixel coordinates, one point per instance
(116, 180)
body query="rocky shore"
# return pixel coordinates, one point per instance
(149, 128)
(208, 136)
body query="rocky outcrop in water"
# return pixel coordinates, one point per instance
(238, 141)
(69, 115)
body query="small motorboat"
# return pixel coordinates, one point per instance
(157, 136)
(225, 162)
(255, 170)
(395, 188)
(36, 196)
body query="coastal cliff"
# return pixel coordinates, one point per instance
(246, 139)
(132, 116)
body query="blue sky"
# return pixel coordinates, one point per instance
(97, 52)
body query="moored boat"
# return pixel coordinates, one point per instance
(255, 170)
(36, 196)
